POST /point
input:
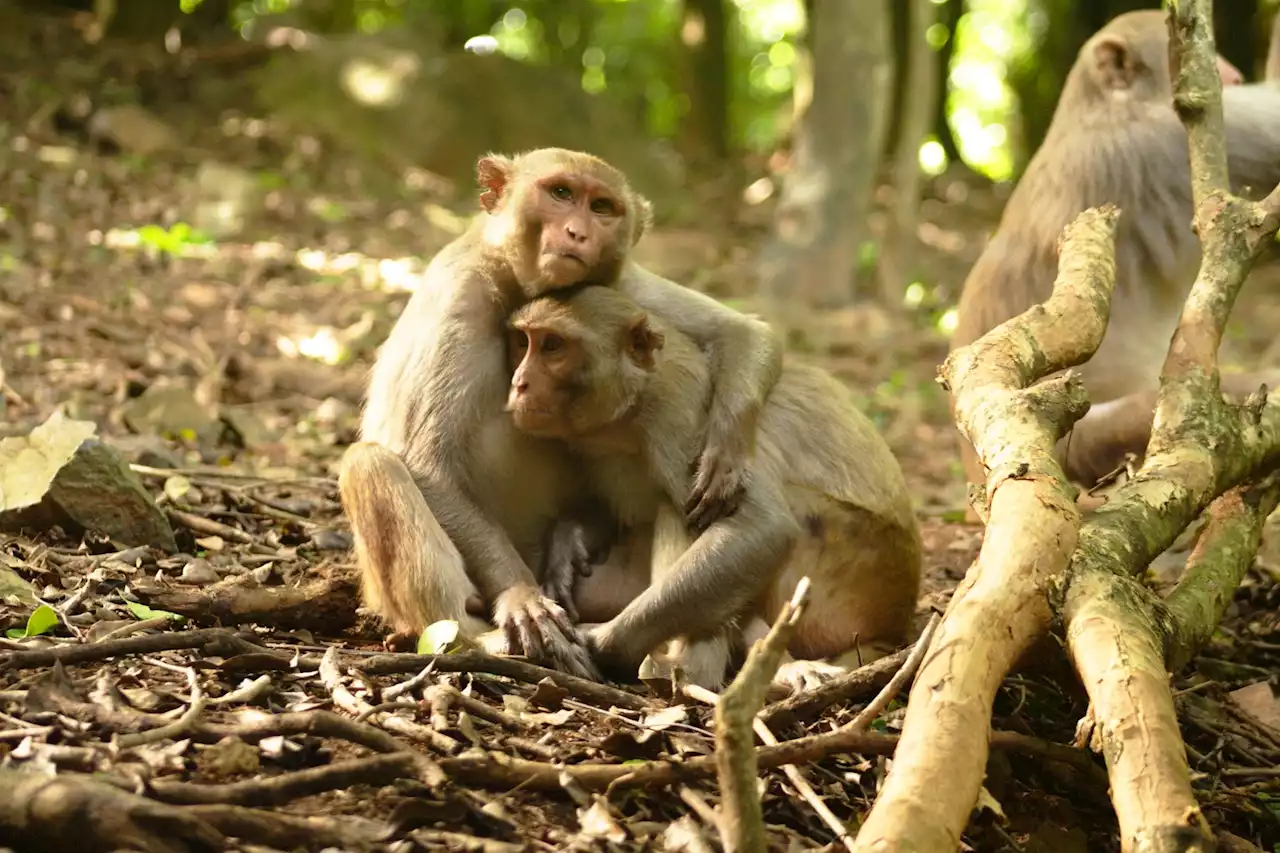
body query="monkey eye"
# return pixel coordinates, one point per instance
(561, 192)
(519, 340)
(604, 207)
(552, 343)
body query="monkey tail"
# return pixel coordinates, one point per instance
(411, 572)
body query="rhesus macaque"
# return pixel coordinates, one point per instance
(449, 504)
(628, 393)
(1115, 138)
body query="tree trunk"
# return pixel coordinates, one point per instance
(1037, 77)
(705, 34)
(920, 94)
(821, 218)
(949, 16)
(900, 26)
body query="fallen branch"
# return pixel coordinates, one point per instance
(849, 687)
(76, 814)
(94, 652)
(1003, 604)
(1117, 632)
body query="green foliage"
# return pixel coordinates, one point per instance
(636, 53)
(41, 621)
(175, 240)
(142, 611)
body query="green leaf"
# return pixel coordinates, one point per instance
(142, 611)
(41, 621)
(436, 637)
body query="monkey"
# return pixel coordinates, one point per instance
(1115, 137)
(449, 504)
(629, 394)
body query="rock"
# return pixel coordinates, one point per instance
(173, 412)
(133, 129)
(98, 492)
(225, 196)
(249, 430)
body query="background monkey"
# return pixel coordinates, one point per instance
(449, 504)
(1115, 138)
(629, 393)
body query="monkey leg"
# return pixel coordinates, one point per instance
(411, 573)
(1097, 444)
(864, 574)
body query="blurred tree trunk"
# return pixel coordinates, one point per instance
(705, 34)
(1240, 32)
(463, 19)
(1038, 75)
(920, 94)
(900, 27)
(821, 218)
(948, 16)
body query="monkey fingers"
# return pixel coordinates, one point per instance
(538, 628)
(717, 489)
(568, 557)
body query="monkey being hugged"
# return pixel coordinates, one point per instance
(449, 504)
(628, 393)
(1115, 138)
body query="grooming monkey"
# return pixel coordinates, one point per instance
(449, 504)
(1116, 138)
(629, 394)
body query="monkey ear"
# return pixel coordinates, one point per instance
(493, 172)
(1113, 62)
(643, 213)
(643, 342)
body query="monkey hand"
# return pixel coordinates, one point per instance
(796, 676)
(568, 558)
(718, 485)
(538, 628)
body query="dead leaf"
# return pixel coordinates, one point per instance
(29, 464)
(1260, 702)
(666, 718)
(598, 823)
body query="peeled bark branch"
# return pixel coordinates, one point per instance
(1003, 604)
(1118, 635)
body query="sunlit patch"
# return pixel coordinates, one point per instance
(758, 191)
(933, 157)
(379, 84)
(914, 295)
(323, 346)
(947, 322)
(386, 274)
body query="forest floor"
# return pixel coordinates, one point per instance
(230, 373)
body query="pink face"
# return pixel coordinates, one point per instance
(582, 227)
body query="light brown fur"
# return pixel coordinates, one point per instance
(448, 502)
(826, 499)
(1116, 139)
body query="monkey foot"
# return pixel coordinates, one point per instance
(796, 676)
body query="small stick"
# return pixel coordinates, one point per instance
(742, 823)
(287, 787)
(868, 714)
(94, 652)
(178, 727)
(792, 772)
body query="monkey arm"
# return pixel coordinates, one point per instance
(727, 568)
(746, 361)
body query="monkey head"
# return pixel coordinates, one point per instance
(1129, 59)
(580, 363)
(560, 217)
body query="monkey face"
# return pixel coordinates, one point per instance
(541, 393)
(584, 230)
